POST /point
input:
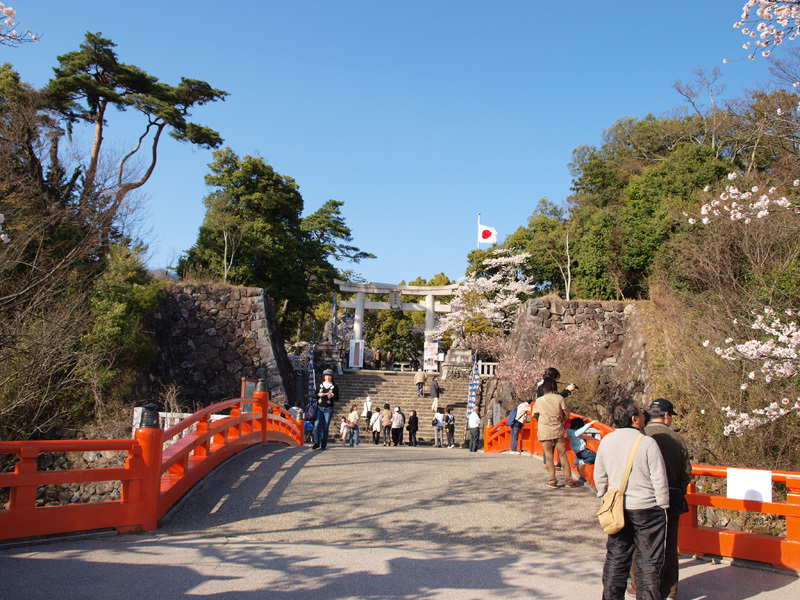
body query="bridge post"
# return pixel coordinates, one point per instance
(151, 440)
(793, 497)
(261, 404)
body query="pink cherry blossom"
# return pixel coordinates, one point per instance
(8, 35)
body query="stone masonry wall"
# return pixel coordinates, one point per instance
(624, 367)
(208, 338)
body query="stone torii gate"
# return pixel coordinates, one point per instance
(428, 304)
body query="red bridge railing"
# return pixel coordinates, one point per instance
(153, 479)
(777, 550)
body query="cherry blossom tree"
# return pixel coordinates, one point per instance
(524, 356)
(489, 301)
(776, 350)
(774, 345)
(9, 36)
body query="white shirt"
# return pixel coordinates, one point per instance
(474, 420)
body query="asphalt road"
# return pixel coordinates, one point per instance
(368, 522)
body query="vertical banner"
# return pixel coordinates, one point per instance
(474, 386)
(312, 378)
(356, 354)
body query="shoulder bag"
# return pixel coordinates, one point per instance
(611, 513)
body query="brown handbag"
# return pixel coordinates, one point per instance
(611, 514)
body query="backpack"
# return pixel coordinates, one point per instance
(450, 422)
(512, 416)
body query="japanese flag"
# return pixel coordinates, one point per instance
(487, 235)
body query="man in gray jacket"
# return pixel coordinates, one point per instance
(646, 501)
(677, 461)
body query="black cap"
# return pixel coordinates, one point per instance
(664, 405)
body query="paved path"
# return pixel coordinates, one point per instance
(368, 522)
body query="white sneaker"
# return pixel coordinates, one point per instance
(515, 452)
(451, 446)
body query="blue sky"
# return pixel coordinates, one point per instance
(417, 115)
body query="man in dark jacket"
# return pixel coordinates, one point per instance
(679, 473)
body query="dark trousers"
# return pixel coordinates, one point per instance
(668, 587)
(451, 437)
(387, 432)
(376, 436)
(412, 438)
(644, 535)
(397, 436)
(474, 438)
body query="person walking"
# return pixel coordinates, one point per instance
(352, 424)
(412, 427)
(646, 500)
(552, 412)
(390, 361)
(398, 421)
(327, 396)
(474, 422)
(375, 426)
(520, 417)
(386, 423)
(419, 381)
(435, 390)
(438, 428)
(450, 427)
(678, 463)
(367, 412)
(376, 359)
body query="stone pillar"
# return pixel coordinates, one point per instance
(430, 317)
(358, 324)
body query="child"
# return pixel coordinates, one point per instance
(576, 433)
(309, 432)
(343, 429)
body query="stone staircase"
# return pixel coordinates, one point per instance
(398, 389)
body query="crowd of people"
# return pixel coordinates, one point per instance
(644, 458)
(652, 473)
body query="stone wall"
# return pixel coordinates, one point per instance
(623, 368)
(208, 338)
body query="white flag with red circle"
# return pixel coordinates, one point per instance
(486, 235)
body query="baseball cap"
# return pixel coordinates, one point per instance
(664, 405)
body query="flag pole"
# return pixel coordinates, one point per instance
(479, 231)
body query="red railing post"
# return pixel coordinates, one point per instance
(23, 498)
(262, 402)
(793, 497)
(151, 439)
(689, 519)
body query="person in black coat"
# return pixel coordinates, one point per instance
(412, 427)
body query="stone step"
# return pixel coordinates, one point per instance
(398, 389)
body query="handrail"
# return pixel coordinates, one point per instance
(783, 551)
(746, 545)
(153, 479)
